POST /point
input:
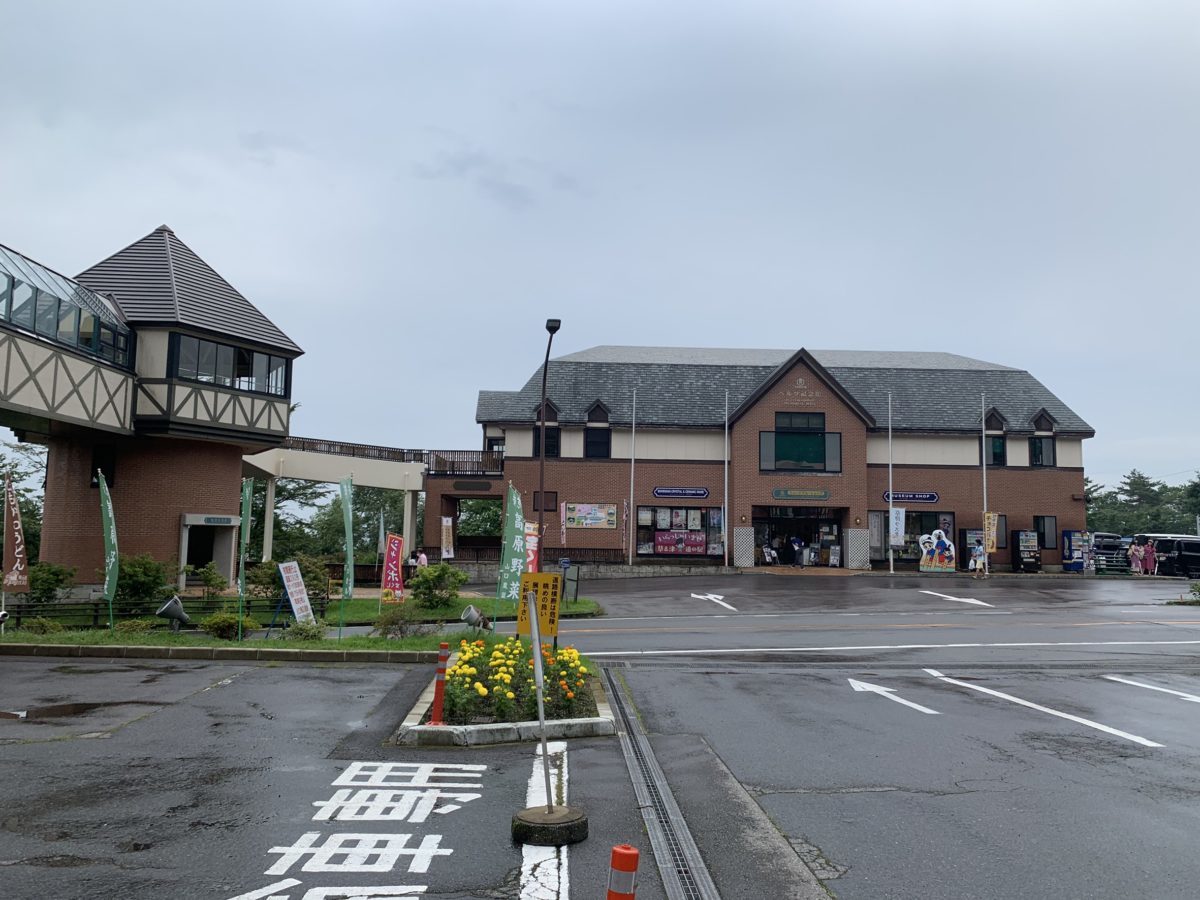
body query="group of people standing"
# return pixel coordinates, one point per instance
(1142, 558)
(771, 550)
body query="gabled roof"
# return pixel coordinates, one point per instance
(801, 356)
(685, 387)
(159, 280)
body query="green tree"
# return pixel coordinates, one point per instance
(480, 517)
(295, 502)
(329, 531)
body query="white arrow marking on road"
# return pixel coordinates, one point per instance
(1054, 712)
(715, 598)
(1151, 687)
(890, 693)
(957, 599)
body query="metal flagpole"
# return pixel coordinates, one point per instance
(983, 464)
(632, 462)
(725, 494)
(891, 552)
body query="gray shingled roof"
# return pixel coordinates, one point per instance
(160, 280)
(684, 387)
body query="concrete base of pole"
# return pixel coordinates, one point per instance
(549, 828)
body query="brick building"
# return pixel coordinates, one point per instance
(804, 451)
(152, 368)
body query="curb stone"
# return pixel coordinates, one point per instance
(246, 654)
(412, 733)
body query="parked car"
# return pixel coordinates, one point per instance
(1110, 551)
(1175, 554)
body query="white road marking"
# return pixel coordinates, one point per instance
(544, 871)
(715, 598)
(1054, 712)
(726, 650)
(271, 890)
(957, 599)
(890, 694)
(1150, 687)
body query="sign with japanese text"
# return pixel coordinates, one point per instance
(531, 546)
(512, 548)
(562, 523)
(548, 589)
(990, 524)
(244, 535)
(109, 523)
(680, 542)
(447, 537)
(896, 527)
(591, 515)
(392, 579)
(346, 486)
(799, 494)
(297, 593)
(16, 563)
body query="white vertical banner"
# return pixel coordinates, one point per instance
(896, 527)
(447, 537)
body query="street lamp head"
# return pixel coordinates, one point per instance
(552, 325)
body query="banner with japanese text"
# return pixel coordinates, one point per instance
(244, 537)
(990, 522)
(16, 563)
(896, 527)
(512, 550)
(532, 554)
(447, 537)
(297, 593)
(111, 564)
(393, 576)
(346, 486)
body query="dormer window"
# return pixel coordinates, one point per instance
(598, 414)
(551, 413)
(994, 421)
(1043, 421)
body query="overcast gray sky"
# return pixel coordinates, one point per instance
(410, 189)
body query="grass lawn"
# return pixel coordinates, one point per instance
(364, 611)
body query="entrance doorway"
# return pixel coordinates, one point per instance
(819, 529)
(201, 540)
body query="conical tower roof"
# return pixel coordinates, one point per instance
(159, 280)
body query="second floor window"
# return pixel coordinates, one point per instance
(551, 441)
(789, 451)
(1041, 451)
(597, 443)
(231, 367)
(995, 450)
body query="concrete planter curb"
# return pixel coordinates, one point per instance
(242, 653)
(412, 733)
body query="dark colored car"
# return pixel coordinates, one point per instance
(1178, 555)
(1110, 551)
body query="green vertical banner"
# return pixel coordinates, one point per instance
(244, 541)
(347, 489)
(512, 551)
(111, 566)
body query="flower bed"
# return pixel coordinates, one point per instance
(492, 681)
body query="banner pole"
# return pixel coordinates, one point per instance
(7, 562)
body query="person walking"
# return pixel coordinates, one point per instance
(978, 560)
(422, 559)
(1136, 555)
(1149, 559)
(797, 551)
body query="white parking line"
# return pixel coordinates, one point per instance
(729, 650)
(1151, 687)
(544, 871)
(957, 599)
(1054, 712)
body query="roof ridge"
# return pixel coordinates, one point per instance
(167, 234)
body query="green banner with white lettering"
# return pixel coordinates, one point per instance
(347, 489)
(512, 551)
(111, 566)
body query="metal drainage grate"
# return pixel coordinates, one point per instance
(684, 875)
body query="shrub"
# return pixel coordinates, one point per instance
(42, 625)
(214, 582)
(305, 631)
(136, 626)
(224, 625)
(48, 581)
(400, 620)
(436, 586)
(263, 580)
(1196, 590)
(143, 583)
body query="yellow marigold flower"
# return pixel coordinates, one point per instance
(496, 689)
(478, 686)
(510, 695)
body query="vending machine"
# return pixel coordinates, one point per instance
(1026, 556)
(1076, 551)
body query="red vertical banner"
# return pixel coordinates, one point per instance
(393, 576)
(532, 552)
(16, 564)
